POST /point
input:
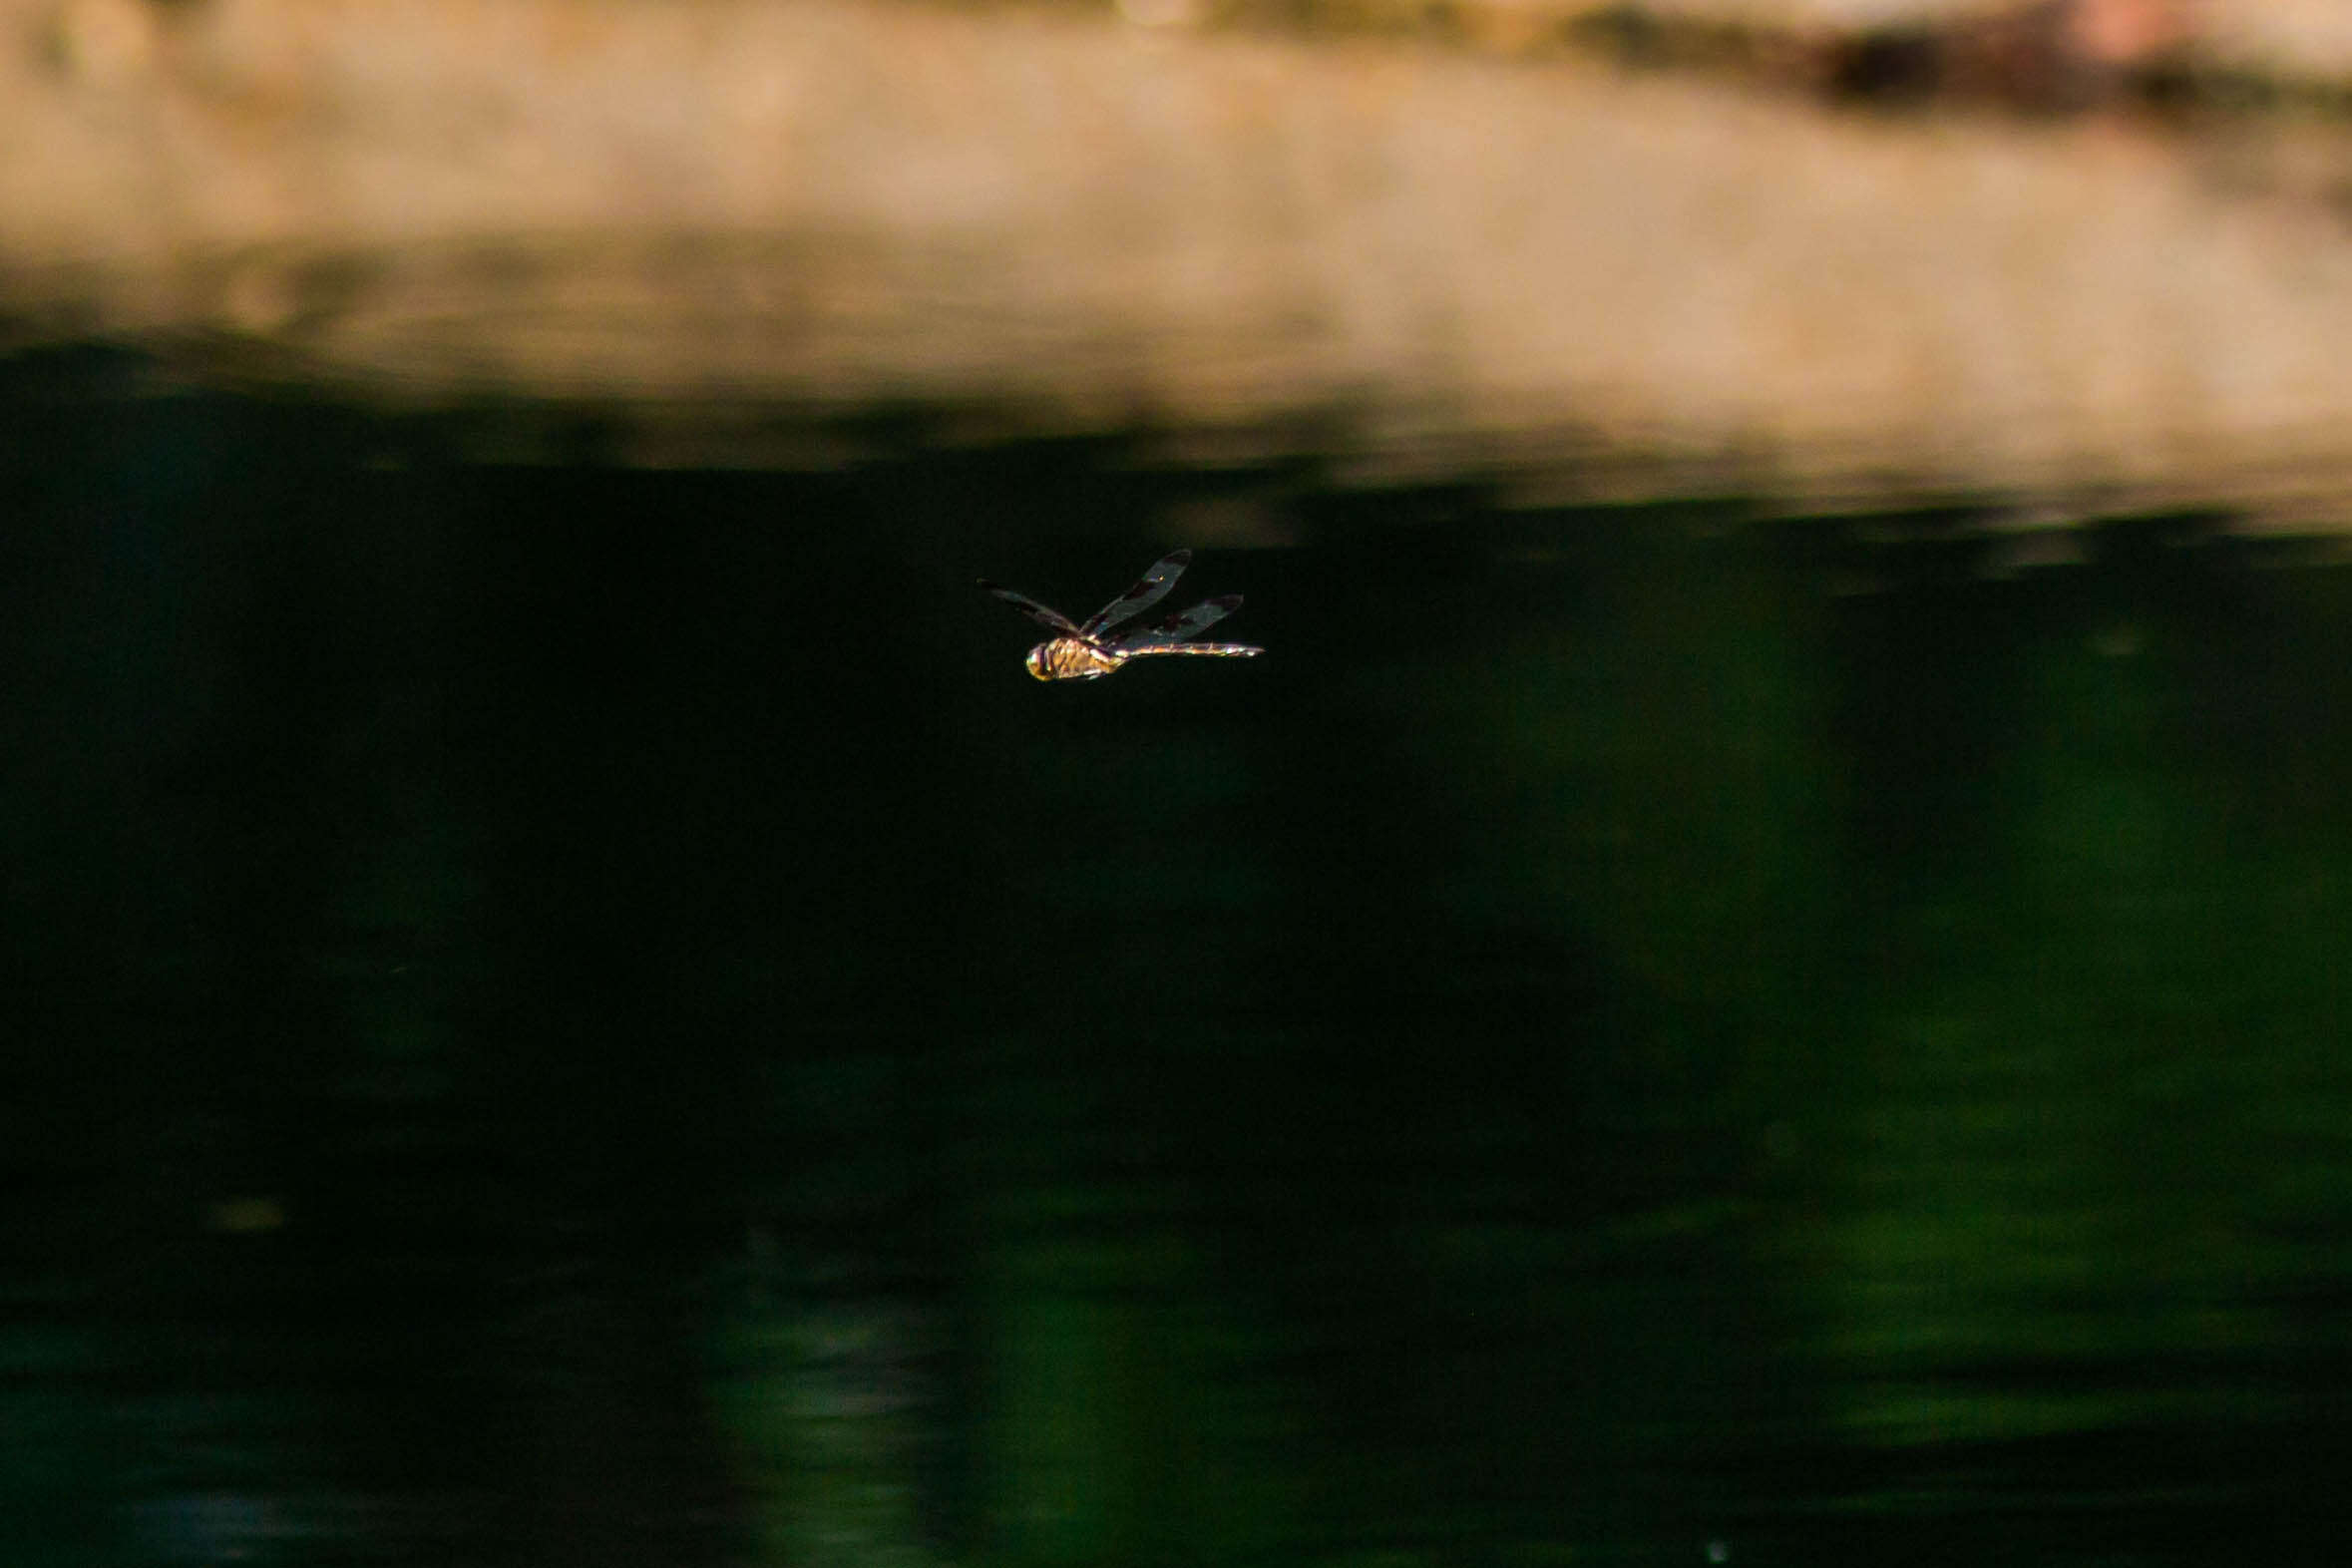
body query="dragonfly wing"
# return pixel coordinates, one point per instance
(1179, 629)
(1148, 591)
(1052, 619)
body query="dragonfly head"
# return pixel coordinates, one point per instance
(1036, 662)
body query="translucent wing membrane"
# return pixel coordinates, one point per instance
(1148, 591)
(1178, 629)
(1052, 619)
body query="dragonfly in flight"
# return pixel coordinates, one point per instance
(1078, 652)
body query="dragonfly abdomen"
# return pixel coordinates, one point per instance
(1196, 650)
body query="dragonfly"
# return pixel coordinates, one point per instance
(1087, 653)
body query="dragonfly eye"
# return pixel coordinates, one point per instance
(1037, 662)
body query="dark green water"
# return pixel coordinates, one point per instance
(570, 1016)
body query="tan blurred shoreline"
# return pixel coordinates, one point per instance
(715, 219)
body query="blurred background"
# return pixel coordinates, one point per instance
(1755, 977)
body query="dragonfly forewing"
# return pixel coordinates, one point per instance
(1148, 591)
(1050, 619)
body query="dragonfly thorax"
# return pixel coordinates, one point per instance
(1070, 658)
